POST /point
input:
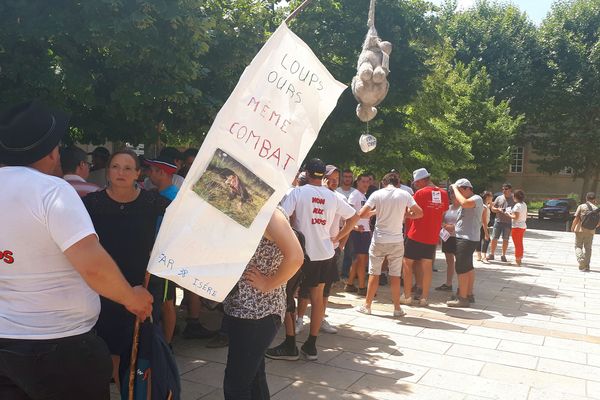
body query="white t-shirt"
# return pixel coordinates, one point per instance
(314, 209)
(358, 200)
(390, 204)
(520, 222)
(337, 221)
(42, 296)
(346, 193)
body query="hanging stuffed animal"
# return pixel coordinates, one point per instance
(370, 85)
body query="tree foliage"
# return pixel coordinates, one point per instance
(568, 119)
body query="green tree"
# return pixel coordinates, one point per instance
(335, 31)
(456, 127)
(568, 122)
(123, 68)
(501, 38)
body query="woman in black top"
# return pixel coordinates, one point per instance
(125, 218)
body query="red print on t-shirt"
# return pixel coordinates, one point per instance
(7, 256)
(318, 211)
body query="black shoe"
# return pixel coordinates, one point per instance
(282, 352)
(310, 352)
(490, 257)
(350, 288)
(459, 302)
(218, 341)
(444, 288)
(503, 259)
(195, 330)
(362, 291)
(471, 298)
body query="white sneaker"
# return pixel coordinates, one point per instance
(327, 328)
(399, 313)
(423, 302)
(363, 310)
(299, 325)
(406, 301)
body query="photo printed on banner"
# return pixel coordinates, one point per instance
(232, 188)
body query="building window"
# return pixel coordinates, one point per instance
(516, 160)
(566, 171)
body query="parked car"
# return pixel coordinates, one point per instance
(560, 209)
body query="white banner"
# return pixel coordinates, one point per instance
(245, 165)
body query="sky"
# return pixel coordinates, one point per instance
(535, 9)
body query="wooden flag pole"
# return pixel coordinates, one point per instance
(298, 10)
(134, 347)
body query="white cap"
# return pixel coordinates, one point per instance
(463, 182)
(367, 142)
(420, 173)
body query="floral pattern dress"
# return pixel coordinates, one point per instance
(250, 303)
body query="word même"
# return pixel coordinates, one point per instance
(273, 116)
(262, 145)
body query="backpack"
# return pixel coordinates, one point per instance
(590, 219)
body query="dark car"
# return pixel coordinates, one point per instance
(560, 209)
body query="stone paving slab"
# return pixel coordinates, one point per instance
(533, 333)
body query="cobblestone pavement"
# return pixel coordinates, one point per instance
(533, 333)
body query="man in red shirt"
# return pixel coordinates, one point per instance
(423, 235)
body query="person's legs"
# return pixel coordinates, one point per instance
(426, 268)
(395, 258)
(317, 309)
(361, 269)
(471, 282)
(287, 350)
(497, 232)
(408, 277)
(371, 290)
(450, 260)
(587, 244)
(245, 377)
(464, 271)
(76, 367)
(418, 271)
(169, 318)
(517, 237)
(505, 238)
(580, 253)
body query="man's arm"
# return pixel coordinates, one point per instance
(414, 212)
(348, 226)
(464, 202)
(103, 276)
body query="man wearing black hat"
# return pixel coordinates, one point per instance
(100, 157)
(52, 269)
(313, 208)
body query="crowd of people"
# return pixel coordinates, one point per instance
(78, 247)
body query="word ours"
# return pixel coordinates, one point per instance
(299, 72)
(7, 256)
(317, 211)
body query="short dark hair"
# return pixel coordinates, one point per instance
(391, 178)
(191, 152)
(485, 194)
(519, 195)
(506, 185)
(364, 175)
(70, 158)
(171, 152)
(590, 196)
(348, 171)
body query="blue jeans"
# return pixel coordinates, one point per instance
(245, 377)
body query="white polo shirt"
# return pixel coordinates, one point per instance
(42, 296)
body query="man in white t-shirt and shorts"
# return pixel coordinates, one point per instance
(313, 208)
(52, 269)
(390, 205)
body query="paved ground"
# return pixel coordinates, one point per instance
(534, 333)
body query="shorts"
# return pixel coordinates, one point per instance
(162, 289)
(330, 275)
(502, 229)
(360, 242)
(414, 250)
(449, 246)
(464, 255)
(379, 251)
(315, 273)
